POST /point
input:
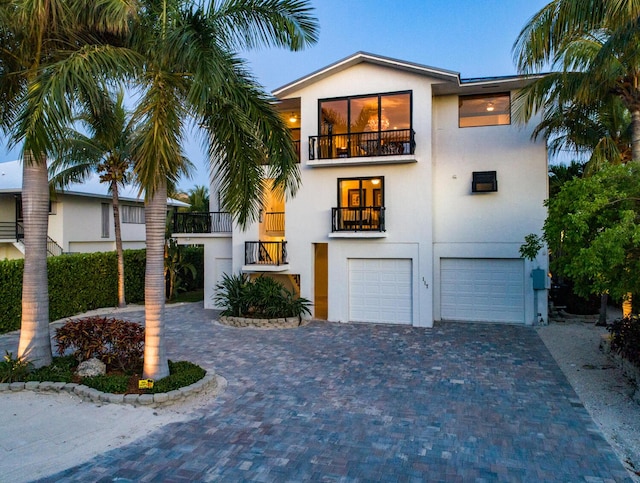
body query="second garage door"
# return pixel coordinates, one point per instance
(473, 289)
(380, 290)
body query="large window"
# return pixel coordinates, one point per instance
(485, 110)
(105, 211)
(370, 113)
(360, 205)
(132, 214)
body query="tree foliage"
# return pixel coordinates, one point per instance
(593, 231)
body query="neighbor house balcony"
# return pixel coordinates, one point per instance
(265, 254)
(11, 230)
(358, 219)
(398, 143)
(213, 222)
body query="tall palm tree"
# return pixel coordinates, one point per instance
(191, 73)
(105, 149)
(54, 54)
(595, 47)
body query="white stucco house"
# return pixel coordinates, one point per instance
(418, 189)
(80, 217)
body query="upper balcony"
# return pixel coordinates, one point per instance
(193, 222)
(394, 146)
(11, 230)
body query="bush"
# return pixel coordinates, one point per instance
(263, 297)
(13, 370)
(117, 343)
(181, 374)
(116, 383)
(60, 370)
(193, 255)
(77, 283)
(625, 338)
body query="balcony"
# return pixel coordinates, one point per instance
(265, 253)
(11, 230)
(361, 219)
(375, 144)
(274, 221)
(213, 222)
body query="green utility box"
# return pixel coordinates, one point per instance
(539, 279)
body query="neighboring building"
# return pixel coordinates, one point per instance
(80, 217)
(417, 192)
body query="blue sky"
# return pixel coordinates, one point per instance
(473, 37)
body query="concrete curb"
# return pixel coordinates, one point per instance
(86, 393)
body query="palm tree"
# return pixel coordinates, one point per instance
(595, 46)
(190, 72)
(53, 55)
(199, 199)
(105, 150)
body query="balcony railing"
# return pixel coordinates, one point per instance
(265, 253)
(274, 221)
(214, 222)
(362, 144)
(368, 218)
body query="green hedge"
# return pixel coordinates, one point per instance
(77, 283)
(85, 281)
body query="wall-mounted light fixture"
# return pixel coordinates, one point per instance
(293, 118)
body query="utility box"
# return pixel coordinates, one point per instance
(539, 279)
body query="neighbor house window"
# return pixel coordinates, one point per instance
(105, 220)
(485, 110)
(132, 214)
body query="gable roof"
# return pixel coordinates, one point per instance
(450, 80)
(11, 182)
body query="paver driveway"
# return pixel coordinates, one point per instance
(360, 402)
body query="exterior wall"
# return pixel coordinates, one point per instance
(408, 197)
(9, 251)
(217, 255)
(486, 225)
(7, 208)
(77, 226)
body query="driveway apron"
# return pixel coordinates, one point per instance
(365, 402)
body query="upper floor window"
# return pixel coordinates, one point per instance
(485, 110)
(132, 214)
(360, 205)
(369, 113)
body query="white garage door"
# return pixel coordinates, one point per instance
(380, 290)
(482, 289)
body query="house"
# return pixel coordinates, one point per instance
(418, 189)
(80, 217)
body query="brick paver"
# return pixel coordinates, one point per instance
(364, 402)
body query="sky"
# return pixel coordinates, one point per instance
(472, 37)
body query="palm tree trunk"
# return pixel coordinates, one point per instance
(35, 341)
(118, 234)
(155, 356)
(627, 303)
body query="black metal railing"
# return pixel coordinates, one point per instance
(367, 218)
(53, 248)
(265, 253)
(195, 222)
(362, 144)
(274, 221)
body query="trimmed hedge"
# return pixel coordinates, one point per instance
(77, 283)
(85, 281)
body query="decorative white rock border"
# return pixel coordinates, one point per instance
(281, 323)
(89, 394)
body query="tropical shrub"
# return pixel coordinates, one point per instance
(181, 374)
(13, 369)
(61, 370)
(625, 338)
(232, 293)
(117, 343)
(262, 297)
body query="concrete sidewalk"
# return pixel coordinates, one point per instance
(349, 402)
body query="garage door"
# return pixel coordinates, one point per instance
(482, 289)
(380, 290)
